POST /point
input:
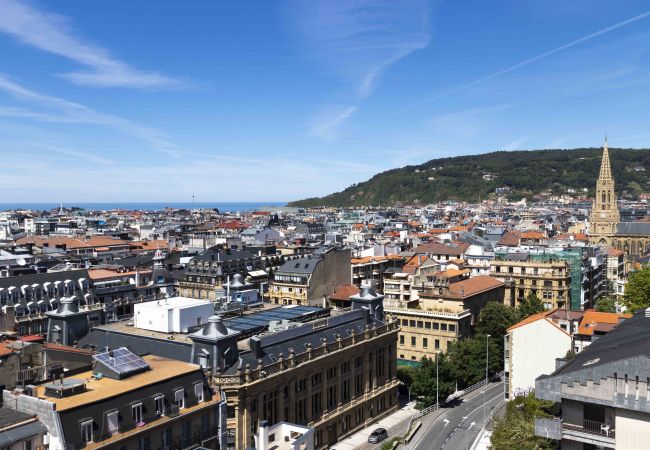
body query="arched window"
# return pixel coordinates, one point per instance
(603, 195)
(609, 196)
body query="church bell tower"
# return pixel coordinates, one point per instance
(604, 214)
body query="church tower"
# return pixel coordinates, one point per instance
(604, 214)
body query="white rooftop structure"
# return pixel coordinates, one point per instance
(172, 315)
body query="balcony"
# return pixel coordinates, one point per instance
(585, 431)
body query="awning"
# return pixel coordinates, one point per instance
(257, 273)
(21, 433)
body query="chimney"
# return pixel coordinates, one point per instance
(263, 435)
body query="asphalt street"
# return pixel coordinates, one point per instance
(458, 427)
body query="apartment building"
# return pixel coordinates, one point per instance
(126, 402)
(604, 392)
(335, 375)
(371, 269)
(311, 279)
(616, 274)
(549, 281)
(206, 273)
(25, 300)
(444, 313)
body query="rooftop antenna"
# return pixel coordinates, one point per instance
(193, 207)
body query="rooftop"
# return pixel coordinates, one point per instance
(97, 390)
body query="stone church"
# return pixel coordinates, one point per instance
(606, 229)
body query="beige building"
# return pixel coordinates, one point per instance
(335, 375)
(444, 313)
(310, 280)
(549, 281)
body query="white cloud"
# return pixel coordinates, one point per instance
(358, 40)
(516, 144)
(325, 125)
(76, 154)
(52, 33)
(64, 111)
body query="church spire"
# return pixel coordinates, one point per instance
(605, 169)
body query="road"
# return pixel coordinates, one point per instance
(458, 426)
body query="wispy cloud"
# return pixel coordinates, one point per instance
(52, 33)
(359, 40)
(468, 123)
(64, 111)
(78, 154)
(527, 61)
(516, 144)
(325, 125)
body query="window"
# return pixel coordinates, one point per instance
(136, 412)
(435, 325)
(412, 341)
(358, 362)
(425, 342)
(144, 443)
(167, 438)
(301, 385)
(412, 323)
(420, 324)
(331, 373)
(401, 339)
(186, 432)
(443, 327)
(179, 398)
(198, 392)
(345, 367)
(358, 384)
(452, 327)
(437, 344)
(316, 379)
(112, 421)
(87, 431)
(159, 402)
(427, 325)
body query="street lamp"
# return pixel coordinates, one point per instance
(437, 402)
(487, 354)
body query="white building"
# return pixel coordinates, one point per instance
(172, 315)
(530, 350)
(284, 436)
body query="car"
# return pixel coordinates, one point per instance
(377, 436)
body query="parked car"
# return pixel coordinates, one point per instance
(377, 436)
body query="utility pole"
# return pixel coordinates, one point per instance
(437, 401)
(487, 354)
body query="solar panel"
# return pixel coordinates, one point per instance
(121, 361)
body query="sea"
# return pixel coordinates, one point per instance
(146, 206)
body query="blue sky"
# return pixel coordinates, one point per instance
(259, 101)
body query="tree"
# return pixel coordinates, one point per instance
(424, 380)
(606, 304)
(529, 306)
(515, 430)
(495, 319)
(467, 359)
(637, 290)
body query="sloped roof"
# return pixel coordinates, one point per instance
(592, 319)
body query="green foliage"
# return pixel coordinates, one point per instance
(467, 359)
(529, 306)
(495, 319)
(515, 430)
(389, 443)
(527, 173)
(424, 380)
(606, 304)
(637, 290)
(570, 354)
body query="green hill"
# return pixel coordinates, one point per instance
(474, 178)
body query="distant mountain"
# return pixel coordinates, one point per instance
(476, 177)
